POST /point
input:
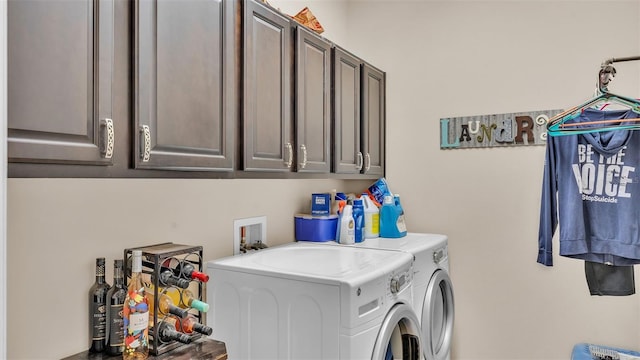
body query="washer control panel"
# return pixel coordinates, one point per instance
(400, 279)
(440, 255)
(397, 283)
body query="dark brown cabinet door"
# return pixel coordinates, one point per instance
(373, 120)
(313, 92)
(60, 61)
(184, 85)
(267, 137)
(347, 154)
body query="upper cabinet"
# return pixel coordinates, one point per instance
(184, 97)
(60, 74)
(347, 153)
(186, 88)
(312, 106)
(359, 116)
(287, 94)
(267, 125)
(373, 120)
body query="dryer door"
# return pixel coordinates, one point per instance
(437, 317)
(399, 336)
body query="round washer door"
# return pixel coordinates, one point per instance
(437, 317)
(399, 336)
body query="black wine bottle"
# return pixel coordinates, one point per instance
(98, 309)
(115, 322)
(167, 277)
(185, 269)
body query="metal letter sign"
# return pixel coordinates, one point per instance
(511, 129)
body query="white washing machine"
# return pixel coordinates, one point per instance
(303, 301)
(432, 287)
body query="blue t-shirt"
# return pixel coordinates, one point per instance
(591, 191)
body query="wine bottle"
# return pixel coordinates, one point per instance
(136, 313)
(174, 294)
(188, 300)
(166, 332)
(164, 305)
(98, 308)
(166, 278)
(189, 271)
(190, 324)
(115, 323)
(186, 269)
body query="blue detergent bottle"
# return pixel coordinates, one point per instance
(392, 223)
(358, 218)
(402, 226)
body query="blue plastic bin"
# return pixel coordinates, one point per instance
(315, 228)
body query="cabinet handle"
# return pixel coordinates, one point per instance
(107, 138)
(145, 143)
(367, 162)
(359, 161)
(289, 161)
(303, 164)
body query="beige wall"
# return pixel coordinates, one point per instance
(442, 58)
(57, 227)
(460, 58)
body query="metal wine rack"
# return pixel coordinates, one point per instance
(153, 258)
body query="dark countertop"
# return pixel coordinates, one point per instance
(204, 348)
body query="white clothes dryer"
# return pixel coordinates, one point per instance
(432, 287)
(303, 301)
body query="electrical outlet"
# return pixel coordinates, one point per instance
(255, 233)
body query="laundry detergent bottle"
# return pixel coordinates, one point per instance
(371, 217)
(392, 219)
(347, 226)
(358, 218)
(402, 226)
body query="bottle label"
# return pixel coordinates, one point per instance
(402, 227)
(372, 225)
(375, 223)
(138, 321)
(98, 321)
(347, 235)
(116, 326)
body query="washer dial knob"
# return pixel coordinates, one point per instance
(395, 285)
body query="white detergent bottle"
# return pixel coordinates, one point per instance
(347, 226)
(371, 217)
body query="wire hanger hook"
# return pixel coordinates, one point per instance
(605, 75)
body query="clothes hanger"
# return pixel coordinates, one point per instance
(561, 124)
